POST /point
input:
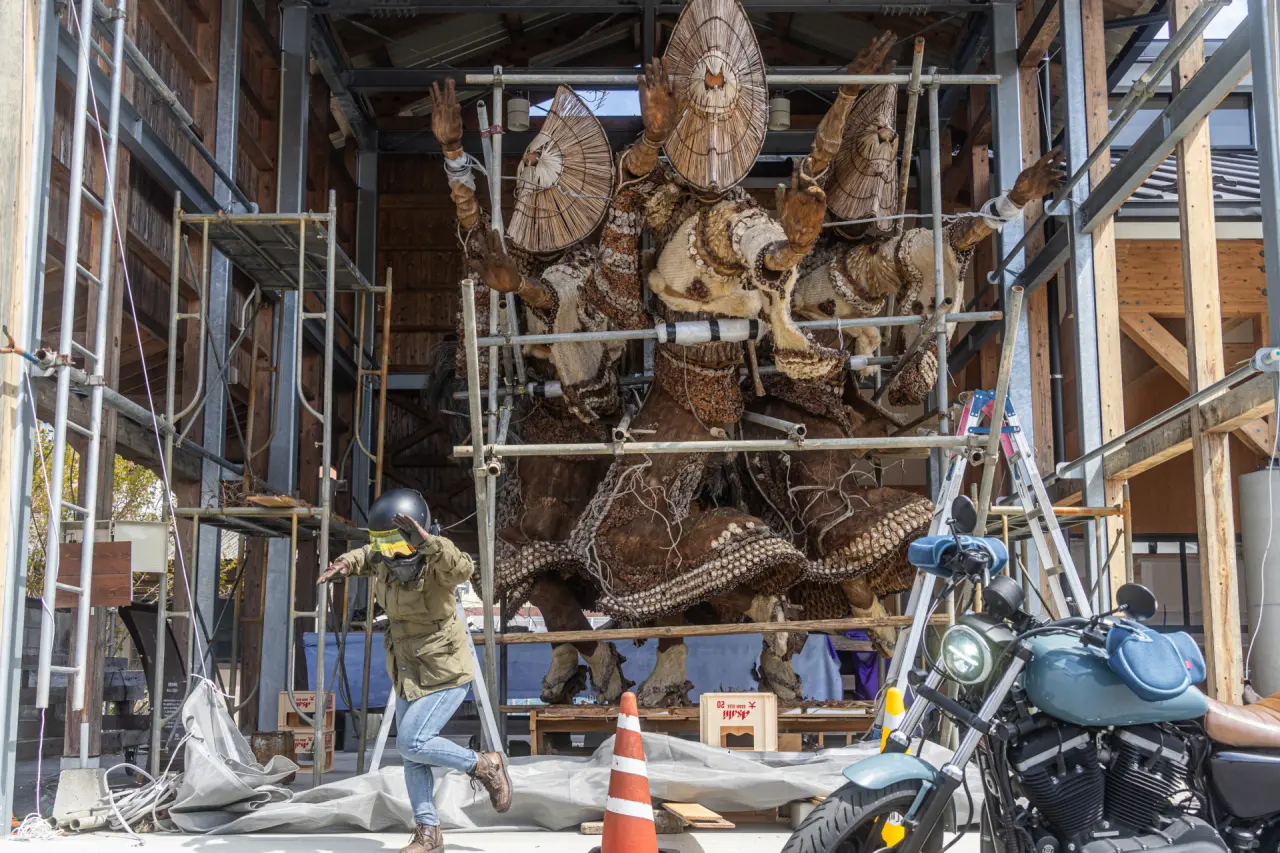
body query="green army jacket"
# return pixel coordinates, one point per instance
(426, 643)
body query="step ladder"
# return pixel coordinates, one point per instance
(90, 57)
(1051, 546)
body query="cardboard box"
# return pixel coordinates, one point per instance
(303, 743)
(739, 721)
(287, 718)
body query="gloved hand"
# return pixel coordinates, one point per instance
(413, 532)
(338, 567)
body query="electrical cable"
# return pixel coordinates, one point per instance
(1254, 630)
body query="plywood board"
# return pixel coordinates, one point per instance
(698, 817)
(1151, 277)
(112, 584)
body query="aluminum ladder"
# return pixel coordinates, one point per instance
(1047, 537)
(90, 57)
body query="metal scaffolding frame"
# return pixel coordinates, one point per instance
(295, 254)
(492, 421)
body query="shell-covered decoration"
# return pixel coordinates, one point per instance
(718, 69)
(565, 179)
(864, 176)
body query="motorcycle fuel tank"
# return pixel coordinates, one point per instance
(1072, 682)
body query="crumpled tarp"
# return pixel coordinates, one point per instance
(224, 792)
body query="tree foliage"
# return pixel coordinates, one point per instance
(137, 495)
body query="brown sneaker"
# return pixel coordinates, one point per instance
(426, 839)
(491, 772)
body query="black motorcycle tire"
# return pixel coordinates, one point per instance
(834, 826)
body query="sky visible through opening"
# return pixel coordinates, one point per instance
(627, 103)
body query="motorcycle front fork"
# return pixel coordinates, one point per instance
(951, 775)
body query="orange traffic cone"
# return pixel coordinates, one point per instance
(628, 814)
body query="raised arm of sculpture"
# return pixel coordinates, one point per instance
(1036, 181)
(831, 130)
(502, 274)
(446, 125)
(659, 110)
(801, 209)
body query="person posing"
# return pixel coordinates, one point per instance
(428, 655)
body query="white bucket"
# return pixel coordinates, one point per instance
(779, 113)
(517, 114)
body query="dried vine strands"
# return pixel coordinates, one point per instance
(565, 179)
(864, 175)
(718, 70)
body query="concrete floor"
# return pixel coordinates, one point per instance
(746, 840)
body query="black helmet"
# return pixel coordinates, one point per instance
(388, 540)
(395, 502)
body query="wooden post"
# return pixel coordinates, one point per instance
(1105, 279)
(1038, 302)
(1212, 462)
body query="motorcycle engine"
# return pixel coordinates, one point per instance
(1084, 795)
(1061, 774)
(1148, 766)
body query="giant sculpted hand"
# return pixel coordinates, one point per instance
(801, 210)
(658, 105)
(446, 118)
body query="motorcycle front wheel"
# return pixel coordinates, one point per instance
(851, 820)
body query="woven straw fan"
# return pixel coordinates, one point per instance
(718, 70)
(864, 176)
(564, 181)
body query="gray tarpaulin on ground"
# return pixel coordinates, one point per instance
(224, 792)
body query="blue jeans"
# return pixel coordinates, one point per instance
(418, 725)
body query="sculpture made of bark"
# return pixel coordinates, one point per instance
(855, 534)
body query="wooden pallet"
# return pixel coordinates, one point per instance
(698, 817)
(846, 720)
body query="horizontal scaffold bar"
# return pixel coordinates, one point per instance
(919, 442)
(652, 334)
(628, 79)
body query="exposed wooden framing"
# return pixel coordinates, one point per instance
(1038, 301)
(1168, 352)
(185, 52)
(1040, 34)
(1215, 514)
(1105, 277)
(1246, 402)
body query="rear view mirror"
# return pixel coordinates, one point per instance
(964, 515)
(1137, 601)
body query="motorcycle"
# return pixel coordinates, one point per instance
(1089, 734)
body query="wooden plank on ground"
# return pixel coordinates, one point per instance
(698, 817)
(1215, 513)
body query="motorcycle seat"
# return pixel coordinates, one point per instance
(1256, 725)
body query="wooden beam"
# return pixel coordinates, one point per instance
(1169, 353)
(1246, 402)
(1215, 514)
(183, 51)
(18, 154)
(1105, 276)
(605, 635)
(1040, 35)
(1038, 301)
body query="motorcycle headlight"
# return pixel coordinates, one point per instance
(965, 655)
